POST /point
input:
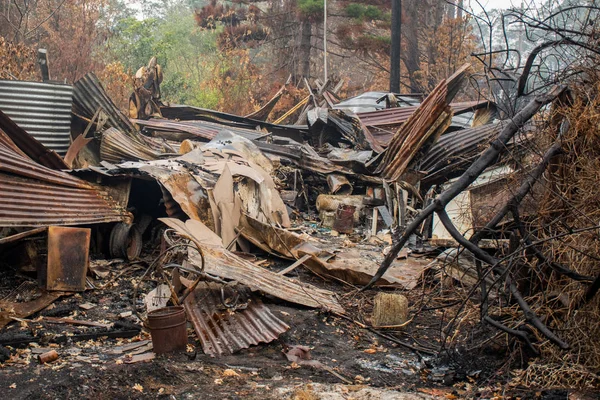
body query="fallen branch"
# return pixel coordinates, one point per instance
(530, 316)
(471, 174)
(520, 194)
(515, 332)
(556, 267)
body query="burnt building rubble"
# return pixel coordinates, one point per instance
(214, 216)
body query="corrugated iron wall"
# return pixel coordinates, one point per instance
(42, 109)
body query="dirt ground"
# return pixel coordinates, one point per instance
(365, 364)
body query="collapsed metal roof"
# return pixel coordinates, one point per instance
(34, 195)
(222, 330)
(89, 97)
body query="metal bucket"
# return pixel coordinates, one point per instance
(168, 329)
(344, 218)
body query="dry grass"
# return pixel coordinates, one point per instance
(570, 202)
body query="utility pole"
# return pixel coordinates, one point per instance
(325, 42)
(395, 49)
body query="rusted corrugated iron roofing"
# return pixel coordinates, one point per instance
(89, 96)
(34, 195)
(225, 264)
(423, 128)
(190, 113)
(398, 115)
(457, 145)
(117, 147)
(201, 129)
(222, 331)
(28, 145)
(455, 151)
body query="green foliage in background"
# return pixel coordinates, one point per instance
(187, 54)
(364, 12)
(311, 8)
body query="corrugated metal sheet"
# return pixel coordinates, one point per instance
(432, 114)
(301, 156)
(200, 129)
(455, 151)
(399, 115)
(42, 109)
(222, 331)
(423, 128)
(225, 264)
(27, 145)
(367, 102)
(190, 113)
(117, 147)
(89, 96)
(34, 195)
(457, 145)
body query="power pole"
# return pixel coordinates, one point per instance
(395, 50)
(325, 42)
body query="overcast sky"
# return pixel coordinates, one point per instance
(497, 3)
(489, 4)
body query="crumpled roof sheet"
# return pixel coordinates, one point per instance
(303, 156)
(455, 151)
(117, 147)
(200, 129)
(225, 264)
(89, 96)
(223, 332)
(367, 102)
(457, 145)
(34, 195)
(423, 128)
(187, 113)
(28, 145)
(399, 115)
(383, 124)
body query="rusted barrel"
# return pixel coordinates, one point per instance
(344, 218)
(168, 329)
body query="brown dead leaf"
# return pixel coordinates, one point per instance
(230, 372)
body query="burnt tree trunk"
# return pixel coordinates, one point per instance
(304, 70)
(395, 49)
(410, 57)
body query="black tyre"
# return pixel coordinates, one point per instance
(125, 242)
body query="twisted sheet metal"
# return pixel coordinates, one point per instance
(225, 264)
(187, 113)
(200, 129)
(368, 101)
(117, 147)
(15, 136)
(457, 145)
(423, 128)
(43, 109)
(304, 157)
(89, 96)
(223, 332)
(399, 115)
(34, 195)
(455, 151)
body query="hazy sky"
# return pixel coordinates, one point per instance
(489, 4)
(497, 3)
